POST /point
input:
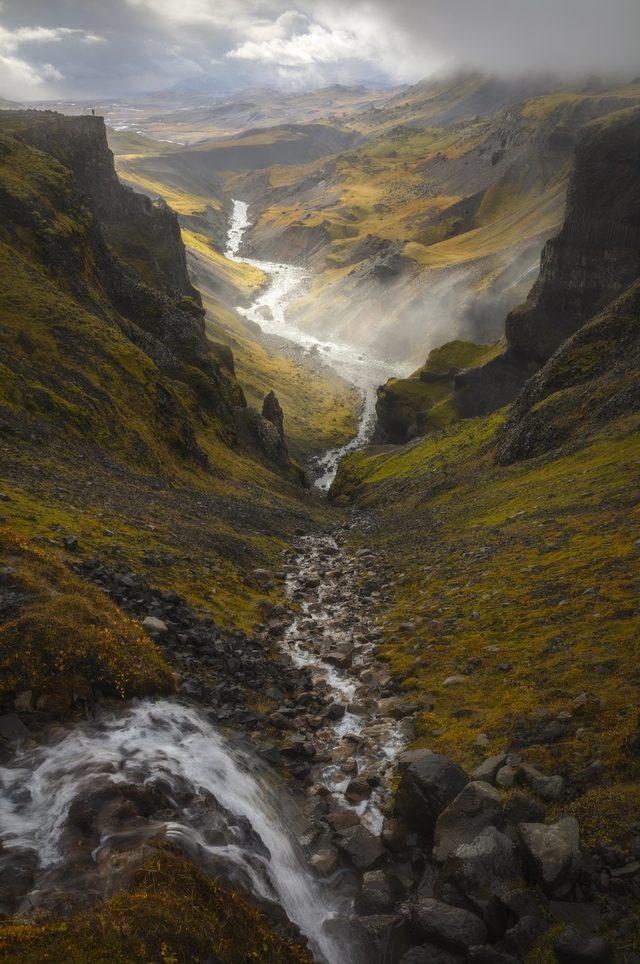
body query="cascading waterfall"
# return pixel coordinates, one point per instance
(286, 283)
(175, 743)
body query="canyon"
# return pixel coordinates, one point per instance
(323, 655)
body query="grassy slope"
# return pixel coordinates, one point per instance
(521, 579)
(60, 638)
(403, 401)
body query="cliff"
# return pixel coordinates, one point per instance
(144, 234)
(593, 259)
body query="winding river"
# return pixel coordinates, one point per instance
(286, 283)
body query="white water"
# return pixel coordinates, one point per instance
(286, 283)
(175, 743)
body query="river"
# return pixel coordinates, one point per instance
(286, 283)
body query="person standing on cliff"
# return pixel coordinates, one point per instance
(93, 112)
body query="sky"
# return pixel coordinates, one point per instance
(99, 48)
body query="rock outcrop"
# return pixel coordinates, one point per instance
(589, 264)
(137, 229)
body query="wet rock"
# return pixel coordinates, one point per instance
(394, 834)
(451, 928)
(155, 625)
(376, 895)
(358, 790)
(12, 729)
(575, 947)
(325, 862)
(478, 806)
(363, 849)
(553, 853)
(428, 783)
(335, 711)
(343, 819)
(17, 874)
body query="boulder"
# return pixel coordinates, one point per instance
(154, 625)
(451, 928)
(553, 853)
(577, 947)
(376, 895)
(428, 783)
(488, 768)
(363, 849)
(478, 806)
(12, 729)
(485, 954)
(483, 874)
(549, 788)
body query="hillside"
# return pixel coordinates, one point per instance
(510, 546)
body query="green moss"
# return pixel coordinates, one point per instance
(62, 639)
(172, 914)
(521, 579)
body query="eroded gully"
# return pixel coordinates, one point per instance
(208, 792)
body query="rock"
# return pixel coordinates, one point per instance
(12, 729)
(553, 853)
(376, 895)
(325, 862)
(485, 954)
(272, 411)
(476, 807)
(358, 790)
(455, 680)
(427, 954)
(71, 543)
(451, 928)
(335, 711)
(520, 808)
(394, 834)
(488, 768)
(428, 783)
(576, 947)
(364, 850)
(343, 819)
(483, 873)
(506, 777)
(154, 625)
(550, 788)
(24, 701)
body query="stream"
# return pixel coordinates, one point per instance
(66, 804)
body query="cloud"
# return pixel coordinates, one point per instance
(87, 47)
(317, 46)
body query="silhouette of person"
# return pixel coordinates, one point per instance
(93, 112)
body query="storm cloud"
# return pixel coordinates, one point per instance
(89, 47)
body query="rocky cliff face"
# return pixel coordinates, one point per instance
(139, 231)
(591, 262)
(596, 255)
(111, 265)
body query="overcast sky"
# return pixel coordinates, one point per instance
(85, 48)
